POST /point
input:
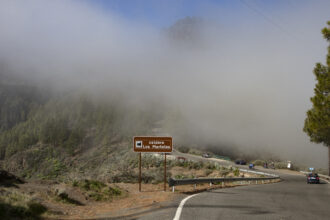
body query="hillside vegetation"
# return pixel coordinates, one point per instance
(47, 135)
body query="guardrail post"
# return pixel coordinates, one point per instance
(210, 183)
(195, 186)
(173, 189)
(223, 184)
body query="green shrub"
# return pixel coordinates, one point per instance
(64, 197)
(97, 190)
(75, 183)
(211, 166)
(280, 165)
(236, 172)
(11, 211)
(106, 194)
(113, 191)
(93, 185)
(198, 165)
(259, 162)
(179, 176)
(36, 208)
(97, 196)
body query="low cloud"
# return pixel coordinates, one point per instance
(223, 84)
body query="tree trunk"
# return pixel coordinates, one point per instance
(329, 160)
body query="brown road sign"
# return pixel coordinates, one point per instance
(153, 144)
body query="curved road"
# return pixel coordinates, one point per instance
(292, 198)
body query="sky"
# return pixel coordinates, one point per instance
(163, 13)
(244, 83)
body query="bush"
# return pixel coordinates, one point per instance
(97, 190)
(280, 165)
(113, 191)
(210, 166)
(93, 185)
(75, 183)
(11, 211)
(36, 208)
(106, 194)
(179, 176)
(191, 164)
(259, 162)
(236, 172)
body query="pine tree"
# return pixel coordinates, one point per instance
(317, 123)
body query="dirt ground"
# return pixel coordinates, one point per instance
(131, 202)
(150, 197)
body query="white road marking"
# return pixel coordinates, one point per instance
(179, 210)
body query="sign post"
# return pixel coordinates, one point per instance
(164, 172)
(140, 173)
(152, 145)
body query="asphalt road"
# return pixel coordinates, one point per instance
(200, 158)
(292, 198)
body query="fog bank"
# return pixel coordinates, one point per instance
(244, 83)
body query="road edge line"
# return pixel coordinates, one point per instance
(325, 181)
(179, 210)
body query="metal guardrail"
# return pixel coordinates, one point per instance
(178, 182)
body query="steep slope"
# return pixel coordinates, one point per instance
(67, 133)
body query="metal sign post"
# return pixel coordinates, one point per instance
(140, 173)
(164, 172)
(155, 145)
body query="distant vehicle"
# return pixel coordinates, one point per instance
(240, 162)
(206, 155)
(313, 178)
(251, 166)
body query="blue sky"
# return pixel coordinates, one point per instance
(163, 13)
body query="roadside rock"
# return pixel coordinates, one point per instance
(69, 194)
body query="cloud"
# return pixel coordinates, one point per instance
(244, 85)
